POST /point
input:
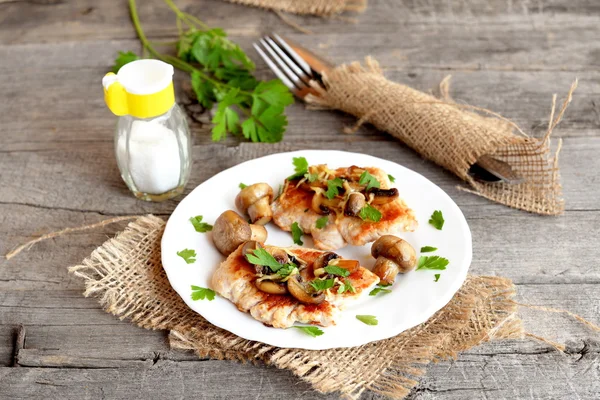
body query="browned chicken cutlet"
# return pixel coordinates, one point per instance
(295, 204)
(235, 280)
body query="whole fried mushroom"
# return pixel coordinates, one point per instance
(394, 255)
(256, 201)
(231, 230)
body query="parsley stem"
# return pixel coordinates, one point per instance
(174, 61)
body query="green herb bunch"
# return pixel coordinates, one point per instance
(221, 73)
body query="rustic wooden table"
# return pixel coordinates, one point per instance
(57, 169)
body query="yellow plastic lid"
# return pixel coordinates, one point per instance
(141, 88)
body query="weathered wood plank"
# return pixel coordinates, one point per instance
(541, 375)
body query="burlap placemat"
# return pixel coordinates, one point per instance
(321, 8)
(127, 277)
(451, 134)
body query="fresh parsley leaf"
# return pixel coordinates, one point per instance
(437, 277)
(122, 59)
(391, 178)
(335, 270)
(310, 330)
(188, 255)
(322, 284)
(300, 167)
(437, 220)
(200, 293)
(275, 93)
(212, 49)
(311, 177)
(243, 186)
(367, 319)
(346, 287)
(200, 226)
(264, 258)
(428, 249)
(333, 186)
(297, 234)
(267, 125)
(322, 222)
(226, 119)
(204, 90)
(367, 179)
(384, 284)
(286, 270)
(370, 213)
(378, 290)
(432, 262)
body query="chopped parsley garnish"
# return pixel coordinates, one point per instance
(310, 330)
(242, 185)
(335, 270)
(367, 319)
(391, 178)
(432, 262)
(370, 213)
(378, 290)
(264, 258)
(300, 166)
(333, 186)
(200, 226)
(346, 287)
(322, 284)
(200, 293)
(311, 177)
(367, 179)
(437, 220)
(322, 222)
(188, 255)
(297, 234)
(286, 270)
(428, 249)
(437, 277)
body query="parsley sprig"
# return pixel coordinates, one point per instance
(221, 72)
(188, 255)
(310, 330)
(264, 258)
(322, 222)
(367, 179)
(297, 233)
(300, 168)
(200, 226)
(367, 319)
(370, 213)
(432, 262)
(333, 187)
(437, 220)
(201, 293)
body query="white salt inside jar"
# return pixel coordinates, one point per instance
(154, 160)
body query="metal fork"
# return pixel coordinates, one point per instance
(297, 66)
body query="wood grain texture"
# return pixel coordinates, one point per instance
(57, 169)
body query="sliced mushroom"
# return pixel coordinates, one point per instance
(280, 255)
(231, 230)
(271, 287)
(382, 196)
(300, 291)
(317, 204)
(350, 265)
(394, 255)
(256, 201)
(250, 246)
(356, 201)
(322, 261)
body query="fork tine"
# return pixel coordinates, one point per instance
(290, 85)
(297, 70)
(299, 61)
(282, 66)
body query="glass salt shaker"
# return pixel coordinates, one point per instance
(152, 141)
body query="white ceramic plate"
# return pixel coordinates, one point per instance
(415, 296)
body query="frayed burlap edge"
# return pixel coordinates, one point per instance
(451, 135)
(321, 8)
(127, 277)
